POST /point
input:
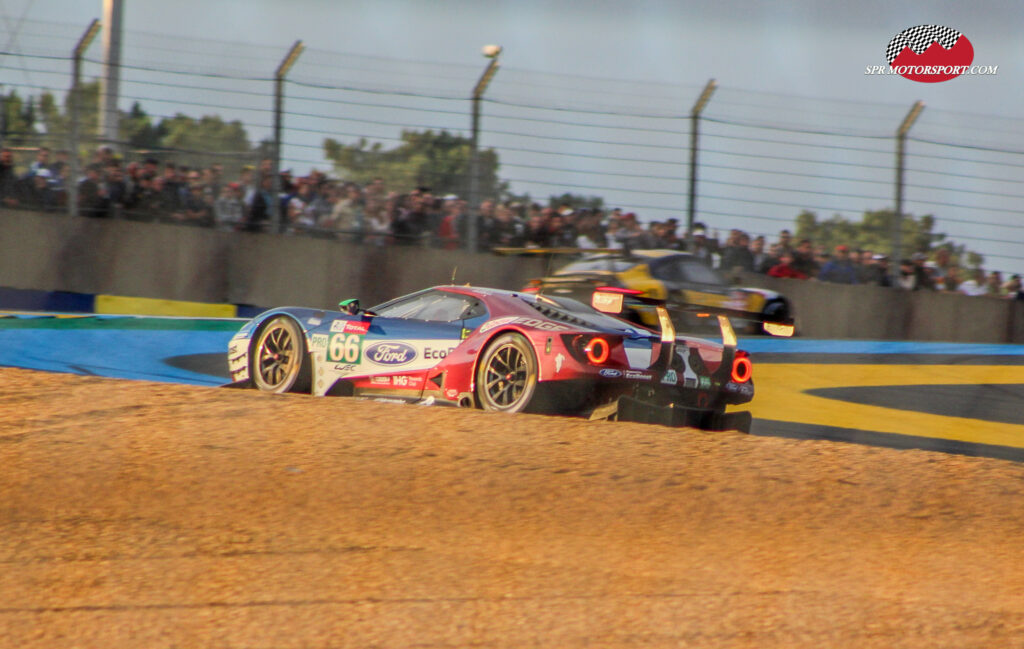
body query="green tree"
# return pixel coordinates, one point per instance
(17, 120)
(874, 232)
(439, 160)
(138, 131)
(577, 201)
(196, 142)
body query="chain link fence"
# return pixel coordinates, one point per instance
(377, 150)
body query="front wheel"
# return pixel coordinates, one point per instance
(278, 361)
(506, 376)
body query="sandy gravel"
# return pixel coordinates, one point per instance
(143, 515)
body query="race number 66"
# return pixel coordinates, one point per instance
(344, 348)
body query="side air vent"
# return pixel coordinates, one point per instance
(555, 314)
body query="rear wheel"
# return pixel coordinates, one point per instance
(278, 361)
(506, 376)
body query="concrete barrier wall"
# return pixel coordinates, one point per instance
(52, 252)
(870, 312)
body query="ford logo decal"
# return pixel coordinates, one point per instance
(612, 374)
(390, 353)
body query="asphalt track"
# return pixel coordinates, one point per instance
(956, 398)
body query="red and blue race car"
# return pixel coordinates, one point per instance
(502, 351)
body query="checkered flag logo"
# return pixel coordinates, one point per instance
(920, 39)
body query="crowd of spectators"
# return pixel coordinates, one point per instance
(150, 190)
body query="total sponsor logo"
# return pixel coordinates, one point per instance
(390, 353)
(350, 326)
(543, 325)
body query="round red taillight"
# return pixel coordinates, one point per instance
(598, 350)
(742, 369)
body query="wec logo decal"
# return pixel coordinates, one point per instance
(390, 353)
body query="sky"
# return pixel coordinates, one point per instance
(596, 65)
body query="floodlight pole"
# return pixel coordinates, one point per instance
(276, 218)
(76, 77)
(897, 221)
(473, 229)
(695, 113)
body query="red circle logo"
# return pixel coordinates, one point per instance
(929, 53)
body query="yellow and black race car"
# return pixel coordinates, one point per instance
(679, 278)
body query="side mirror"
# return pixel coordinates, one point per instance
(349, 306)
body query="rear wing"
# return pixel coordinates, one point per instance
(616, 300)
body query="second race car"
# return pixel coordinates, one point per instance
(678, 278)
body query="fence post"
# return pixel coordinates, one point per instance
(695, 113)
(76, 75)
(110, 82)
(473, 230)
(897, 221)
(276, 217)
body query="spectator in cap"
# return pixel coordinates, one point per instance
(881, 267)
(701, 246)
(839, 269)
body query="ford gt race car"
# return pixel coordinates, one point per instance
(502, 351)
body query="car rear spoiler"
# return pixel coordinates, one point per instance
(614, 301)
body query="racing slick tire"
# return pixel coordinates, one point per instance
(506, 375)
(278, 361)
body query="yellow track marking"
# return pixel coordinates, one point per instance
(780, 395)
